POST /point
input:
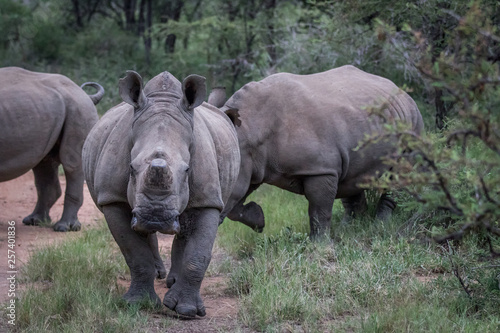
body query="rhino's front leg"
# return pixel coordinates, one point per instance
(191, 255)
(137, 251)
(73, 200)
(250, 214)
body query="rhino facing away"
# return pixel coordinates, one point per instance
(45, 119)
(299, 132)
(163, 161)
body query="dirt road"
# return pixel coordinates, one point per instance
(17, 200)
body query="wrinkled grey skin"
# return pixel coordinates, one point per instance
(163, 161)
(298, 132)
(44, 121)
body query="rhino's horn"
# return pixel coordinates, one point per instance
(158, 174)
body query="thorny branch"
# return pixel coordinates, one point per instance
(457, 274)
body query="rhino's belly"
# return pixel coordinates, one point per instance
(291, 178)
(18, 158)
(11, 173)
(292, 184)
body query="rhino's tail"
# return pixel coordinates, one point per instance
(96, 98)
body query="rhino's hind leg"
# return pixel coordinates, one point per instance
(385, 207)
(48, 190)
(73, 200)
(137, 251)
(161, 272)
(320, 191)
(354, 206)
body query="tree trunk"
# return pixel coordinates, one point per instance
(171, 11)
(269, 37)
(144, 27)
(170, 43)
(141, 23)
(147, 34)
(437, 37)
(77, 13)
(129, 10)
(440, 108)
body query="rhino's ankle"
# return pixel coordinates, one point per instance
(36, 219)
(136, 295)
(64, 226)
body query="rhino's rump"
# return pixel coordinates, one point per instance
(30, 127)
(306, 125)
(41, 114)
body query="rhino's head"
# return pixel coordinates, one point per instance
(162, 131)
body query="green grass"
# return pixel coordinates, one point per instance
(72, 287)
(368, 278)
(365, 280)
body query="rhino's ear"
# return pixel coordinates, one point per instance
(234, 115)
(131, 91)
(194, 91)
(217, 97)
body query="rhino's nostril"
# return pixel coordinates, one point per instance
(134, 222)
(176, 228)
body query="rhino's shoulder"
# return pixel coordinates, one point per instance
(106, 156)
(215, 158)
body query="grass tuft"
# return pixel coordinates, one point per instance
(371, 277)
(72, 287)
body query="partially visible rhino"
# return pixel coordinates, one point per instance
(299, 132)
(163, 161)
(45, 119)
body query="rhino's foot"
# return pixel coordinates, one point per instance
(346, 219)
(64, 226)
(36, 219)
(161, 272)
(254, 216)
(383, 213)
(258, 229)
(187, 304)
(171, 279)
(385, 207)
(142, 297)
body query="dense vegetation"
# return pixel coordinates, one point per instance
(445, 53)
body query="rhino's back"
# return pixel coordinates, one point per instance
(215, 158)
(302, 125)
(106, 156)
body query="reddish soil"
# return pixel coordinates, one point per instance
(18, 199)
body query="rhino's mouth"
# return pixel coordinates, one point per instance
(167, 222)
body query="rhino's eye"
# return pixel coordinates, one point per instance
(132, 170)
